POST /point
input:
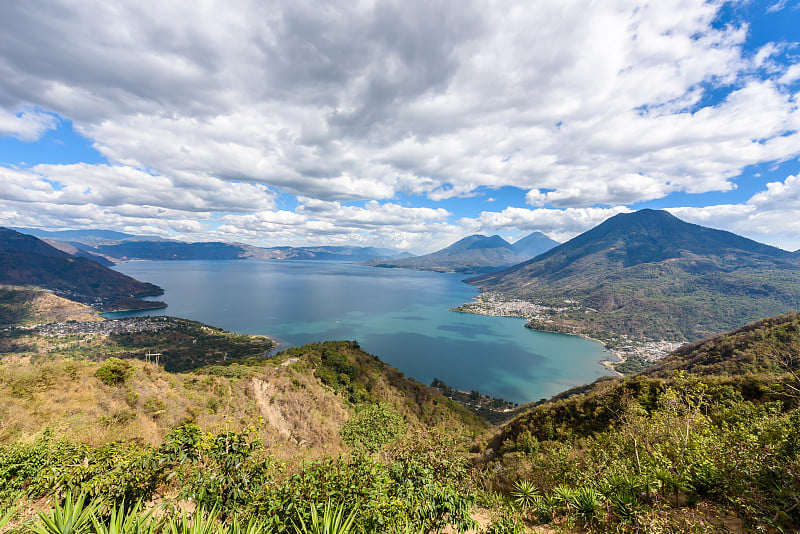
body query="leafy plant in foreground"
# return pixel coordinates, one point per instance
(124, 520)
(198, 523)
(74, 518)
(331, 522)
(373, 427)
(523, 493)
(7, 516)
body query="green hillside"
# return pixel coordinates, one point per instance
(650, 275)
(716, 422)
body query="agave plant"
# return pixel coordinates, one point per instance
(563, 495)
(127, 521)
(7, 516)
(625, 506)
(587, 503)
(331, 522)
(253, 526)
(198, 523)
(74, 518)
(523, 493)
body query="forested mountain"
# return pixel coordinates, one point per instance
(27, 260)
(650, 274)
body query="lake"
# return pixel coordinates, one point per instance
(399, 315)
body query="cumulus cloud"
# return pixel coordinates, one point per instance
(212, 108)
(771, 216)
(560, 225)
(26, 125)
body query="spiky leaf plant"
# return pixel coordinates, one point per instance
(331, 522)
(127, 521)
(587, 503)
(7, 516)
(563, 495)
(198, 523)
(523, 493)
(253, 526)
(74, 518)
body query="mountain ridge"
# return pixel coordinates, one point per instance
(649, 274)
(27, 260)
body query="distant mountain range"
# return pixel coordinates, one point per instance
(650, 274)
(110, 246)
(475, 254)
(27, 260)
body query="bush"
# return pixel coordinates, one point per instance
(114, 371)
(373, 427)
(154, 407)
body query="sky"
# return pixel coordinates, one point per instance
(405, 124)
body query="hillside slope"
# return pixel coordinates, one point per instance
(26, 260)
(472, 254)
(303, 394)
(26, 306)
(760, 360)
(716, 423)
(649, 274)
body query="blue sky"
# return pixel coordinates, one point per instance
(405, 125)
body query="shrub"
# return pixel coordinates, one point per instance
(505, 523)
(373, 427)
(114, 371)
(154, 407)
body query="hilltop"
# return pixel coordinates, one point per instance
(26, 306)
(472, 254)
(534, 244)
(27, 260)
(651, 275)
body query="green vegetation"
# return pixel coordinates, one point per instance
(186, 345)
(493, 409)
(420, 483)
(373, 427)
(114, 371)
(327, 438)
(704, 441)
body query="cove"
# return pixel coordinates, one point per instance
(399, 315)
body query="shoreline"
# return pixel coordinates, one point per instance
(494, 305)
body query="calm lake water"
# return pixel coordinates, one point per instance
(399, 315)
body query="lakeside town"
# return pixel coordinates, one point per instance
(625, 348)
(111, 326)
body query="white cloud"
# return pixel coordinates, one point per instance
(560, 225)
(26, 125)
(771, 216)
(223, 104)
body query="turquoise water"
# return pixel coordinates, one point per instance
(399, 315)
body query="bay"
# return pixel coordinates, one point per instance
(399, 315)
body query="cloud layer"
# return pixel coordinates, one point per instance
(207, 112)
